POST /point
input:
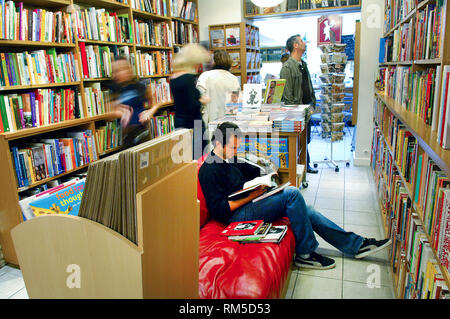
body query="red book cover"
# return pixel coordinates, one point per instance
(445, 109)
(84, 61)
(45, 148)
(66, 106)
(50, 74)
(242, 228)
(1, 123)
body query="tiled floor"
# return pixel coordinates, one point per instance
(348, 199)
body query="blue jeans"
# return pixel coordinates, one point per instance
(305, 220)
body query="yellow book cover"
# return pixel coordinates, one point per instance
(32, 173)
(274, 91)
(43, 14)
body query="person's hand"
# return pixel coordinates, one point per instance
(205, 99)
(258, 191)
(127, 112)
(146, 115)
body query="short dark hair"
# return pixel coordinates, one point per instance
(290, 42)
(224, 131)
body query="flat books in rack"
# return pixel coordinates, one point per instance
(217, 38)
(233, 36)
(242, 228)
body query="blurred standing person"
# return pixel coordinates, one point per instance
(131, 96)
(216, 86)
(299, 88)
(185, 94)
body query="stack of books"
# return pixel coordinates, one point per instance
(255, 231)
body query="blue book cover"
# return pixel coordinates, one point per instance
(23, 169)
(382, 50)
(66, 201)
(17, 165)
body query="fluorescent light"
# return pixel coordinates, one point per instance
(266, 3)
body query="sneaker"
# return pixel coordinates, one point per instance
(315, 261)
(311, 170)
(371, 245)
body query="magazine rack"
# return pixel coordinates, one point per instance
(73, 257)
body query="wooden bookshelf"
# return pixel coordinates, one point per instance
(425, 137)
(10, 213)
(283, 12)
(243, 48)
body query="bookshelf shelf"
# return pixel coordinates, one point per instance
(429, 61)
(37, 86)
(155, 76)
(185, 21)
(147, 15)
(97, 79)
(105, 42)
(23, 43)
(340, 9)
(48, 179)
(426, 138)
(53, 127)
(152, 47)
(48, 3)
(109, 4)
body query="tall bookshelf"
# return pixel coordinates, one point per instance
(246, 53)
(405, 140)
(161, 12)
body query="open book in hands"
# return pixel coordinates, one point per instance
(269, 181)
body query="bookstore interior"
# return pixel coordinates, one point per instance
(344, 102)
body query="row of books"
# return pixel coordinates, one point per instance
(99, 24)
(160, 90)
(96, 61)
(415, 91)
(184, 33)
(97, 100)
(397, 11)
(50, 157)
(19, 23)
(38, 108)
(293, 5)
(153, 33)
(424, 280)
(153, 63)
(62, 198)
(183, 9)
(428, 31)
(252, 36)
(402, 44)
(410, 252)
(38, 67)
(158, 7)
(443, 134)
(253, 60)
(162, 124)
(109, 136)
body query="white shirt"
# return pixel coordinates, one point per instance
(216, 84)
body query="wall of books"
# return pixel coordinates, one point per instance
(292, 6)
(55, 73)
(410, 156)
(242, 42)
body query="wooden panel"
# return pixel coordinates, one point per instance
(109, 264)
(168, 223)
(9, 207)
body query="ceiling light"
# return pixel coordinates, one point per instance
(266, 3)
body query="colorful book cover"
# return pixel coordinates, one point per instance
(233, 36)
(217, 38)
(66, 201)
(274, 91)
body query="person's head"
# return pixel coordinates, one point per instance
(284, 57)
(190, 57)
(295, 44)
(222, 60)
(122, 71)
(226, 140)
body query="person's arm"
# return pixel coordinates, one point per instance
(288, 94)
(243, 201)
(148, 114)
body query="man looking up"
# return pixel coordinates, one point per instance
(298, 89)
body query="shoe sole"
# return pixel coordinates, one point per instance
(315, 267)
(370, 252)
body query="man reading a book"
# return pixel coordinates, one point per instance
(223, 174)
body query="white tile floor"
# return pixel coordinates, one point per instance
(347, 198)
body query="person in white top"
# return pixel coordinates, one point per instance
(215, 86)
